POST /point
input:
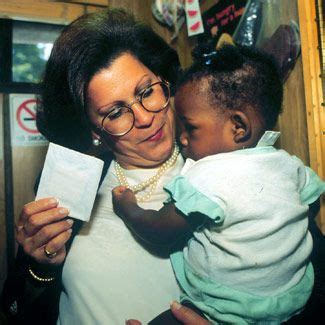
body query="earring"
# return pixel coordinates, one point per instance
(96, 142)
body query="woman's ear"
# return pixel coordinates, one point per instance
(96, 138)
(99, 145)
(241, 126)
(105, 143)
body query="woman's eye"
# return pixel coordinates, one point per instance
(115, 113)
(147, 92)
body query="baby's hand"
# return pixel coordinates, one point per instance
(123, 200)
(123, 195)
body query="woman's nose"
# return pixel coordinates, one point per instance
(142, 117)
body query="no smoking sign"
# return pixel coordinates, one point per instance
(23, 121)
(26, 116)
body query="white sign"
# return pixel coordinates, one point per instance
(23, 121)
(193, 17)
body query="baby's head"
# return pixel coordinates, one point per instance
(226, 100)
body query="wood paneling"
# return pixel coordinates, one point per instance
(292, 121)
(101, 3)
(315, 113)
(43, 11)
(3, 236)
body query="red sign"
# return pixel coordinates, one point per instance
(26, 115)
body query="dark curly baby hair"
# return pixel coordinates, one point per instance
(238, 77)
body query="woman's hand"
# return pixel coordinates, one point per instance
(183, 314)
(41, 231)
(186, 315)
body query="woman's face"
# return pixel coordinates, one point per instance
(149, 142)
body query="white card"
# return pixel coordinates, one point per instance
(71, 177)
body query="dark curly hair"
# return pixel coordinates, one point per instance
(84, 47)
(238, 77)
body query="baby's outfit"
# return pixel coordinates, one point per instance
(249, 261)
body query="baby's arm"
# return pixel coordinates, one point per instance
(165, 226)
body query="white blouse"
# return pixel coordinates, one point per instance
(108, 276)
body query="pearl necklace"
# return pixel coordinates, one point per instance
(152, 181)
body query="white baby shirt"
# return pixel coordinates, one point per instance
(253, 251)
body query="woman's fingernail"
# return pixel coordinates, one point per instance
(69, 230)
(64, 211)
(70, 221)
(132, 322)
(53, 200)
(176, 305)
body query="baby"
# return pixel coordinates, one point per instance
(240, 204)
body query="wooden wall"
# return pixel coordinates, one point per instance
(2, 205)
(313, 92)
(292, 121)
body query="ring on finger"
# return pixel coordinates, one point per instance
(49, 254)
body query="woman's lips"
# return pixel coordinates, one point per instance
(157, 136)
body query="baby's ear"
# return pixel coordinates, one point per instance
(241, 126)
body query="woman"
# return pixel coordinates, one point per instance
(107, 81)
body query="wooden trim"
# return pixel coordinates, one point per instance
(313, 92)
(102, 3)
(320, 8)
(44, 11)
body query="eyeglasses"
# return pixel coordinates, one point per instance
(120, 120)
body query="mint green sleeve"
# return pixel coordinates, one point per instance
(189, 200)
(313, 189)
